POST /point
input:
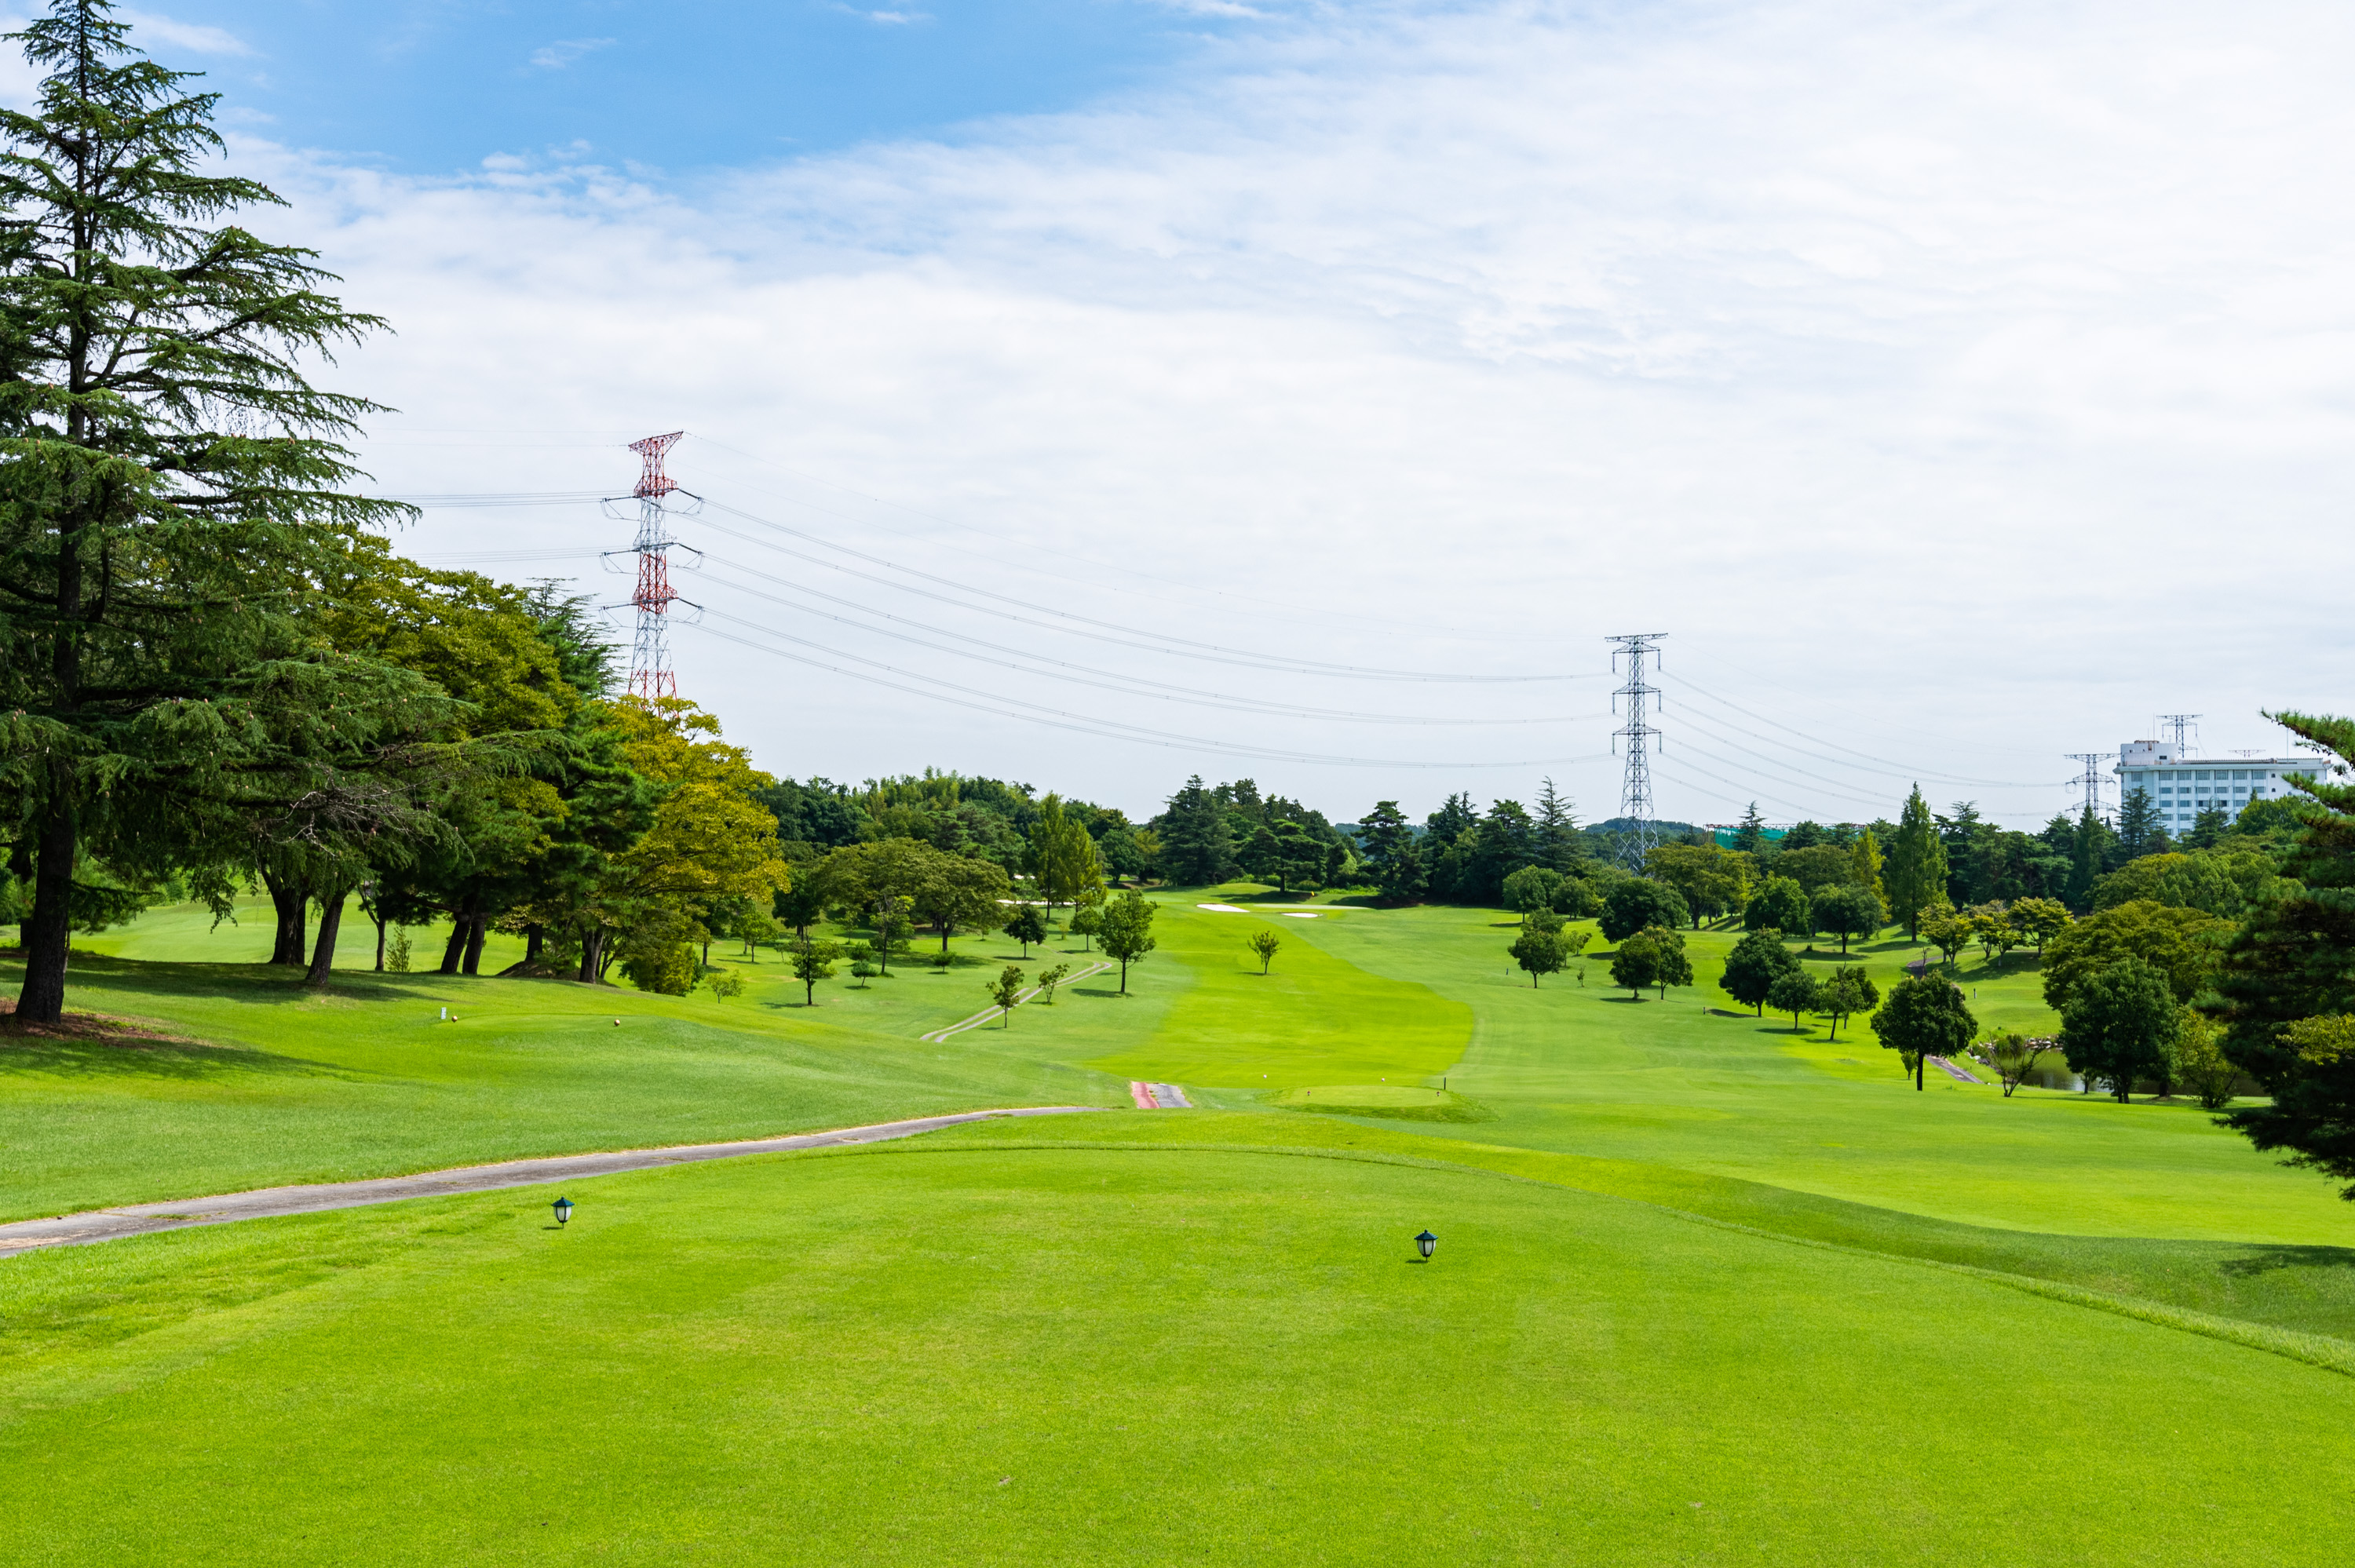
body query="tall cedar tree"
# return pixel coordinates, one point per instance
(1198, 845)
(1751, 836)
(1392, 857)
(170, 479)
(1557, 843)
(2294, 959)
(1915, 871)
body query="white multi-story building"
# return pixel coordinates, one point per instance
(2182, 787)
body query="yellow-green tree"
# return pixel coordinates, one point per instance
(1864, 865)
(1711, 880)
(711, 838)
(1062, 857)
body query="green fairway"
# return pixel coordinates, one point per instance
(1312, 1019)
(1077, 1355)
(1689, 1257)
(1691, 1082)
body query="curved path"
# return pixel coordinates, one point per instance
(137, 1219)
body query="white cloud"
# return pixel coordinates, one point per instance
(149, 29)
(1958, 387)
(564, 51)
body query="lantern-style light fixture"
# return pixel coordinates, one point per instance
(564, 1213)
(1426, 1243)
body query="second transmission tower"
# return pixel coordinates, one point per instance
(1642, 833)
(2091, 777)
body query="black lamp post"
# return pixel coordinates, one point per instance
(1426, 1243)
(564, 1215)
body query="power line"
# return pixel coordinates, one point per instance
(1088, 676)
(1104, 631)
(1898, 769)
(699, 440)
(1830, 786)
(1058, 718)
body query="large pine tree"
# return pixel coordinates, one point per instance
(170, 482)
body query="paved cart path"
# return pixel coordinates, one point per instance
(137, 1219)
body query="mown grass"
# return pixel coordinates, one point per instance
(257, 1081)
(1145, 1354)
(1693, 1083)
(1693, 1257)
(1312, 1019)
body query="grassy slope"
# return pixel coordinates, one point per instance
(851, 1346)
(1687, 1083)
(270, 1084)
(1076, 1355)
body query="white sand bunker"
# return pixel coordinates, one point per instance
(1223, 908)
(1299, 915)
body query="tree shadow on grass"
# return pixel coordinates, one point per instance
(134, 1055)
(1090, 990)
(250, 982)
(2263, 1260)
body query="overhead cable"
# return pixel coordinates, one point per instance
(1898, 769)
(1088, 676)
(699, 440)
(1104, 629)
(1058, 718)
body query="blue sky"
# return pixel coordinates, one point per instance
(1957, 386)
(429, 88)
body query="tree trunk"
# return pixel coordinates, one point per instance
(290, 896)
(20, 867)
(477, 928)
(533, 935)
(456, 948)
(380, 943)
(331, 921)
(1921, 1065)
(591, 946)
(49, 934)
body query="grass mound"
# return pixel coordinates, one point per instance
(1399, 1100)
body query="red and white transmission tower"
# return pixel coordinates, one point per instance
(650, 671)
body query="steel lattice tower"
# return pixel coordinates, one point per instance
(2091, 777)
(1635, 788)
(650, 671)
(2182, 726)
